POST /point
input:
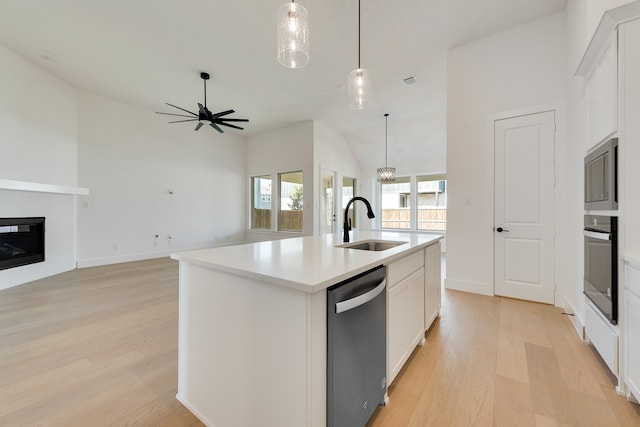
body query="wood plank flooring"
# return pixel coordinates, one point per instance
(491, 361)
(93, 347)
(98, 347)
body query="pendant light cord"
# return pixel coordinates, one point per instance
(386, 116)
(358, 34)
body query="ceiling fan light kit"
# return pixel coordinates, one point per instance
(293, 35)
(204, 116)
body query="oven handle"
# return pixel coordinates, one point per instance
(596, 235)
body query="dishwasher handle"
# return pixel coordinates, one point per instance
(354, 302)
(597, 235)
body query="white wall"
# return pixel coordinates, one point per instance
(130, 158)
(38, 144)
(287, 149)
(433, 143)
(332, 152)
(522, 68)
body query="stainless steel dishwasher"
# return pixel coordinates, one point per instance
(356, 348)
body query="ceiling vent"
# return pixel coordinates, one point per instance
(411, 80)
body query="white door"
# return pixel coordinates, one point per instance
(524, 207)
(327, 202)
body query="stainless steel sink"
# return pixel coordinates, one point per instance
(372, 245)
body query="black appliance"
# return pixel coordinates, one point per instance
(21, 241)
(600, 177)
(601, 264)
(356, 348)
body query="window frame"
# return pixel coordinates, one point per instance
(412, 200)
(252, 201)
(278, 220)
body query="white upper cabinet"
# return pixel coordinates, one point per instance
(602, 92)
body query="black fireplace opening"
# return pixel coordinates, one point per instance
(21, 241)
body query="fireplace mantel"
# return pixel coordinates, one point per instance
(9, 184)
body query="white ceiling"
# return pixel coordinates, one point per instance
(148, 52)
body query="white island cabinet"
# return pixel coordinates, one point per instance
(252, 324)
(405, 307)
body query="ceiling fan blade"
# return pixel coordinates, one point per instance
(222, 113)
(213, 125)
(188, 120)
(231, 126)
(198, 126)
(179, 108)
(172, 114)
(235, 120)
(203, 111)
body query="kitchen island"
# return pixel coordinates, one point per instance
(252, 322)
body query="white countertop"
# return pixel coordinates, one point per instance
(308, 264)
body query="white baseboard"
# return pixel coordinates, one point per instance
(576, 319)
(468, 286)
(94, 262)
(191, 409)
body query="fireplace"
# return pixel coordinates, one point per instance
(21, 241)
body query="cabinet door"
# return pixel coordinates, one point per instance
(603, 94)
(406, 321)
(632, 314)
(415, 309)
(432, 290)
(398, 326)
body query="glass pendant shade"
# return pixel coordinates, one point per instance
(293, 35)
(386, 174)
(359, 89)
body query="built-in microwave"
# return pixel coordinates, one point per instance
(600, 177)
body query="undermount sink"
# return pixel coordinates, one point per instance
(372, 245)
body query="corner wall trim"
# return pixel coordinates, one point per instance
(94, 262)
(468, 286)
(576, 319)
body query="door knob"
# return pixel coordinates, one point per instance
(500, 230)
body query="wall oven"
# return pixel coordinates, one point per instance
(601, 264)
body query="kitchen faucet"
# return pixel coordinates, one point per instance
(347, 221)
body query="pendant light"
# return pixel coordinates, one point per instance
(386, 174)
(293, 35)
(359, 81)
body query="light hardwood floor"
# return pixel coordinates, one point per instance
(98, 347)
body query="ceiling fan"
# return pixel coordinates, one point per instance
(204, 116)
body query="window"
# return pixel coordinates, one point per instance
(291, 201)
(261, 202)
(396, 206)
(348, 193)
(432, 203)
(414, 203)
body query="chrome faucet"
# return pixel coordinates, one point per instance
(347, 221)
